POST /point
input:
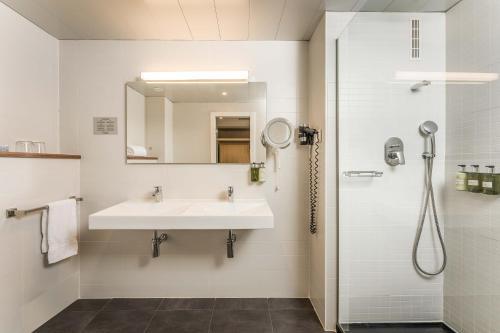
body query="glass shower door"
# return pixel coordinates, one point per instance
(379, 203)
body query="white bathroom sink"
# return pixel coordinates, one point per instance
(184, 214)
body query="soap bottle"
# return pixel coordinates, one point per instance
(461, 179)
(474, 180)
(262, 172)
(489, 180)
(254, 173)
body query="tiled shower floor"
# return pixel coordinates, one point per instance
(397, 328)
(189, 315)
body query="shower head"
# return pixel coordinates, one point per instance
(428, 128)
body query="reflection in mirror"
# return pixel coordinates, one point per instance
(195, 122)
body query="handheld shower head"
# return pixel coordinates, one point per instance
(429, 128)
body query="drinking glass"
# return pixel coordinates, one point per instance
(39, 147)
(24, 146)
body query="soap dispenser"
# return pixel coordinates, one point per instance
(461, 179)
(474, 180)
(489, 180)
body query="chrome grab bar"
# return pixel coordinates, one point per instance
(364, 174)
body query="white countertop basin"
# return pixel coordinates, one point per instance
(194, 214)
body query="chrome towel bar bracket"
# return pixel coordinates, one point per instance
(363, 174)
(14, 212)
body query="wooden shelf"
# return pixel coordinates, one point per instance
(141, 158)
(40, 155)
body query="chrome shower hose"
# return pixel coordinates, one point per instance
(429, 194)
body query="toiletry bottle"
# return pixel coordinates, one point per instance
(461, 179)
(254, 173)
(488, 181)
(262, 172)
(474, 180)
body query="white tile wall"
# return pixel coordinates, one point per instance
(29, 96)
(192, 264)
(378, 217)
(32, 292)
(472, 279)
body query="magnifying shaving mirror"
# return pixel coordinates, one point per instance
(278, 134)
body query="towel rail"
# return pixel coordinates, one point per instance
(14, 212)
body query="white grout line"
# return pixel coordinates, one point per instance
(211, 316)
(269, 314)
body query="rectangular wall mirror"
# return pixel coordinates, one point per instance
(195, 123)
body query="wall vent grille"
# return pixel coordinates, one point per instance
(415, 40)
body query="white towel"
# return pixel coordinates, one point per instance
(59, 230)
(133, 150)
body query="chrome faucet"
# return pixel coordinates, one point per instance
(158, 194)
(230, 193)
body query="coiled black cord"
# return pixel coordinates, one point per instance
(313, 185)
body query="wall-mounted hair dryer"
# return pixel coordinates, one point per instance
(309, 136)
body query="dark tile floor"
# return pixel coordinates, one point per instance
(397, 328)
(186, 315)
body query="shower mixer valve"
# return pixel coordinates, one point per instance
(394, 152)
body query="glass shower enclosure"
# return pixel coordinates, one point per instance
(382, 174)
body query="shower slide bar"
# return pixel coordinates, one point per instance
(14, 212)
(364, 174)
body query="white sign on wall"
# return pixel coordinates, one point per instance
(105, 125)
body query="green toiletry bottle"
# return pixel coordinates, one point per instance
(254, 173)
(474, 180)
(461, 179)
(489, 180)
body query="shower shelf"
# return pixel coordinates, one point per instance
(364, 174)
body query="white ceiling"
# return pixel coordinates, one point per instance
(198, 19)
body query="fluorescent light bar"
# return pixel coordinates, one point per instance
(455, 77)
(209, 76)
